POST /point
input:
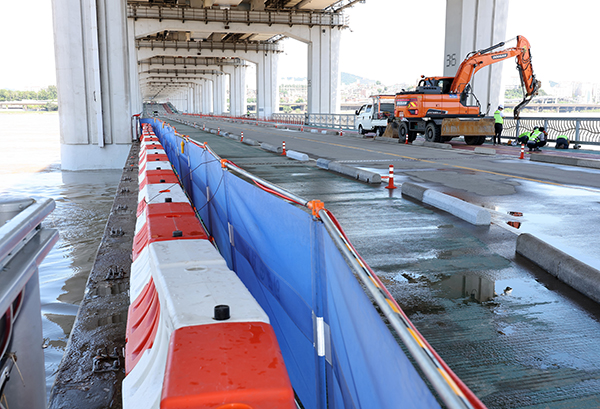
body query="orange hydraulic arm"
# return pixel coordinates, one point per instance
(479, 59)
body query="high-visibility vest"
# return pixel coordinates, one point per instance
(498, 117)
(534, 136)
(562, 137)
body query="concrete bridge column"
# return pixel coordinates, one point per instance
(267, 92)
(474, 25)
(134, 79)
(94, 107)
(323, 70)
(207, 100)
(198, 98)
(237, 89)
(242, 104)
(218, 94)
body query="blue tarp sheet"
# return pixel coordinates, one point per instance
(292, 267)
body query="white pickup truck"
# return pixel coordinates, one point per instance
(373, 116)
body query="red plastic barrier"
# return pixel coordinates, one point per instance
(159, 176)
(153, 157)
(142, 324)
(168, 221)
(242, 368)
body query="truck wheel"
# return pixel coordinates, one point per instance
(402, 132)
(474, 140)
(361, 130)
(432, 132)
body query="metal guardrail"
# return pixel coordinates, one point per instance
(578, 130)
(334, 121)
(434, 369)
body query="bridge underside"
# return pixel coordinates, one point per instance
(194, 54)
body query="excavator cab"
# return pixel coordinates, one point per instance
(435, 85)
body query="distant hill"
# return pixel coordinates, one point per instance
(351, 79)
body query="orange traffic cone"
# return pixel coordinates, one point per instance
(391, 179)
(283, 153)
(522, 152)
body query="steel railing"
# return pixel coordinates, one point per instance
(451, 390)
(578, 130)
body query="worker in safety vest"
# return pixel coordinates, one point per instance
(534, 139)
(562, 142)
(499, 120)
(543, 137)
(523, 138)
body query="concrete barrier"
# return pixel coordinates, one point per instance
(413, 190)
(232, 136)
(302, 157)
(471, 213)
(384, 139)
(250, 142)
(359, 174)
(323, 163)
(437, 145)
(563, 266)
(563, 160)
(485, 151)
(271, 148)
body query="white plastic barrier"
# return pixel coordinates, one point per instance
(182, 291)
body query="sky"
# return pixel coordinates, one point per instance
(393, 41)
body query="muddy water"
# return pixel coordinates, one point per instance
(31, 145)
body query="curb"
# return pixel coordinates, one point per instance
(251, 142)
(561, 265)
(271, 148)
(387, 140)
(359, 174)
(302, 157)
(485, 151)
(562, 160)
(473, 214)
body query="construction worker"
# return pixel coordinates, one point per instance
(562, 142)
(543, 137)
(499, 120)
(523, 138)
(534, 139)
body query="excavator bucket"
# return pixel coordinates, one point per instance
(391, 131)
(527, 99)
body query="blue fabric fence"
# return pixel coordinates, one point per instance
(338, 351)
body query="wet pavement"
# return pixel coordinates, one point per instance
(515, 335)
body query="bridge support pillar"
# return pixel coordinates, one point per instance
(94, 107)
(323, 70)
(207, 97)
(198, 98)
(475, 25)
(267, 92)
(237, 89)
(218, 93)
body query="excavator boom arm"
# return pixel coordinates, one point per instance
(486, 57)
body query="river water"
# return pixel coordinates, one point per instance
(31, 144)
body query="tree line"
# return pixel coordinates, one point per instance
(48, 93)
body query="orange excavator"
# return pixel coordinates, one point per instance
(440, 109)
